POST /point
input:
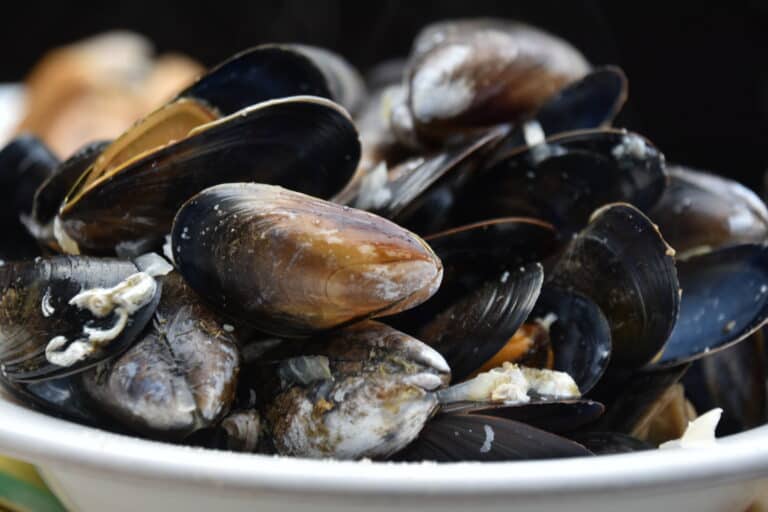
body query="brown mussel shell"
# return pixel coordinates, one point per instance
(471, 73)
(291, 264)
(700, 211)
(363, 391)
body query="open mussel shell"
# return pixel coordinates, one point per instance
(477, 325)
(557, 416)
(702, 211)
(47, 332)
(592, 102)
(470, 73)
(564, 179)
(725, 299)
(475, 437)
(180, 375)
(476, 253)
(621, 262)
(579, 335)
(291, 264)
(304, 143)
(421, 196)
(256, 75)
(734, 380)
(362, 391)
(52, 192)
(411, 177)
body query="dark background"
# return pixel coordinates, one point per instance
(698, 74)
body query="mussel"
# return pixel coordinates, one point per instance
(363, 391)
(291, 264)
(305, 143)
(178, 377)
(470, 73)
(63, 314)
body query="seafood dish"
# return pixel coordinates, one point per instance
(456, 257)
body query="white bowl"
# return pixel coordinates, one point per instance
(93, 470)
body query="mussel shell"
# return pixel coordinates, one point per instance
(592, 102)
(580, 335)
(621, 262)
(476, 253)
(564, 179)
(303, 143)
(362, 391)
(344, 82)
(475, 327)
(630, 396)
(440, 175)
(469, 73)
(25, 162)
(51, 194)
(179, 377)
(258, 74)
(34, 308)
(485, 247)
(557, 416)
(475, 437)
(702, 211)
(62, 397)
(291, 264)
(607, 443)
(725, 299)
(734, 380)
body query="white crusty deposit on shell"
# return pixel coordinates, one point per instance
(511, 384)
(124, 299)
(631, 145)
(436, 91)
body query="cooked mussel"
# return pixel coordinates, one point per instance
(256, 75)
(700, 211)
(479, 324)
(304, 143)
(563, 179)
(291, 264)
(621, 262)
(61, 315)
(51, 193)
(363, 391)
(179, 376)
(592, 102)
(466, 74)
(724, 300)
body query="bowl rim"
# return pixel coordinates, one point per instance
(49, 441)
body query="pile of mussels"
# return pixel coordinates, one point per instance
(457, 259)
